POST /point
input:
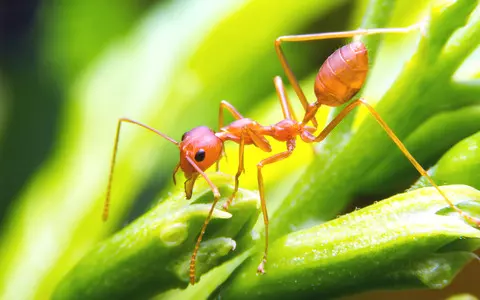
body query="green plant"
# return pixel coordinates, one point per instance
(352, 162)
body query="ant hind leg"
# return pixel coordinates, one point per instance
(398, 143)
(269, 160)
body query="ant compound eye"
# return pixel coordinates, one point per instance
(200, 155)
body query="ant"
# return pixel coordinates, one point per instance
(340, 77)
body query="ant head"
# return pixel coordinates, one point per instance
(204, 148)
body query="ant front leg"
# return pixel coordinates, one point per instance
(230, 108)
(259, 142)
(174, 173)
(216, 197)
(398, 143)
(106, 206)
(323, 36)
(269, 160)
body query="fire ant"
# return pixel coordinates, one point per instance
(339, 78)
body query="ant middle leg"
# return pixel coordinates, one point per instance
(322, 36)
(269, 160)
(398, 143)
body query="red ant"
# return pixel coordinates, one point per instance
(340, 77)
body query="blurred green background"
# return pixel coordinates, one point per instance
(69, 69)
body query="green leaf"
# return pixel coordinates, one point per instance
(399, 242)
(153, 254)
(462, 297)
(461, 164)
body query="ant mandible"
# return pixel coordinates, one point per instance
(339, 78)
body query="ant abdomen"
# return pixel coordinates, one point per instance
(342, 75)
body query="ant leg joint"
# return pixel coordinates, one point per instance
(278, 41)
(127, 119)
(261, 267)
